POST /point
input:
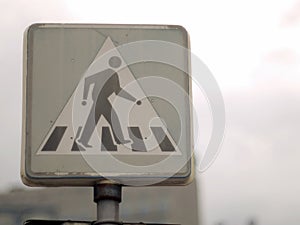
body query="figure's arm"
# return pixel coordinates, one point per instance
(87, 83)
(121, 92)
(125, 94)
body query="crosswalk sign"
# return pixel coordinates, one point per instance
(106, 102)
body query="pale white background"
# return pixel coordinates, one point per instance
(253, 50)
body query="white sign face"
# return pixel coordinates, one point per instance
(106, 102)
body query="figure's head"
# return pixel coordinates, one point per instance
(115, 62)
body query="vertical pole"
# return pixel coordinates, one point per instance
(107, 196)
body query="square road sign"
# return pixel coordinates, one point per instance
(106, 102)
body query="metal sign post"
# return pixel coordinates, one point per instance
(107, 106)
(107, 196)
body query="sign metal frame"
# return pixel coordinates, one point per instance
(86, 179)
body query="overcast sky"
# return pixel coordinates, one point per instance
(253, 50)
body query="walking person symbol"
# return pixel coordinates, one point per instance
(105, 83)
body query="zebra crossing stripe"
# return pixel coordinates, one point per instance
(164, 144)
(75, 147)
(55, 138)
(107, 141)
(136, 136)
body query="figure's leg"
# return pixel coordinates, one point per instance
(112, 118)
(89, 126)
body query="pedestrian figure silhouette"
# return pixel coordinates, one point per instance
(101, 105)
